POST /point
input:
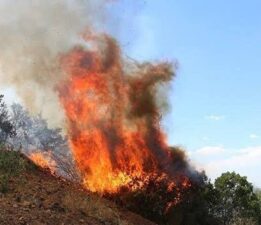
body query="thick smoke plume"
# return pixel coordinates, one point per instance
(76, 77)
(33, 34)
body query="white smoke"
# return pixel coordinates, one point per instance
(33, 35)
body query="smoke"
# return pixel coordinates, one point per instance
(33, 34)
(113, 115)
(110, 106)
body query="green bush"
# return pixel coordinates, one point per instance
(4, 179)
(12, 164)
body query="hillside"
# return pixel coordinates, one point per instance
(29, 195)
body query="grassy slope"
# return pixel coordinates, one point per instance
(31, 196)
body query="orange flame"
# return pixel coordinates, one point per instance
(43, 160)
(113, 117)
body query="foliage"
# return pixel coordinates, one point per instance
(6, 126)
(34, 135)
(149, 200)
(29, 134)
(187, 204)
(258, 193)
(33, 131)
(197, 204)
(237, 200)
(11, 165)
(198, 208)
(231, 200)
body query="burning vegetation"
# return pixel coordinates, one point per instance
(93, 117)
(110, 108)
(113, 119)
(113, 126)
(43, 160)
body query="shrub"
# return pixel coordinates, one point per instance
(11, 164)
(6, 126)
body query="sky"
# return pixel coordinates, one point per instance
(215, 100)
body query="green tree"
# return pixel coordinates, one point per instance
(258, 193)
(238, 203)
(6, 126)
(198, 207)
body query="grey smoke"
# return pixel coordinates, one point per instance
(33, 35)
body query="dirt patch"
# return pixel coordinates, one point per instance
(38, 198)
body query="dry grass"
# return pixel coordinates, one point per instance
(36, 197)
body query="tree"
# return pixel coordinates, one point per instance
(198, 206)
(33, 135)
(258, 193)
(238, 204)
(6, 126)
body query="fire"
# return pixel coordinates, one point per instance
(43, 160)
(113, 117)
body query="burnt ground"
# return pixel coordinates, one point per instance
(38, 198)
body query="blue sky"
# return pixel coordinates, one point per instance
(215, 99)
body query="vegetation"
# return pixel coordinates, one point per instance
(237, 200)
(12, 164)
(6, 126)
(258, 193)
(230, 200)
(29, 133)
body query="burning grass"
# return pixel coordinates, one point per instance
(37, 197)
(44, 160)
(113, 118)
(113, 130)
(112, 109)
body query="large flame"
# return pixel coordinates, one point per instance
(113, 116)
